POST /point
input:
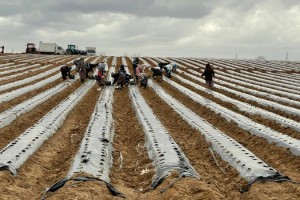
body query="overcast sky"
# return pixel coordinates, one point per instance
(186, 28)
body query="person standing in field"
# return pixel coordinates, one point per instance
(209, 74)
(135, 63)
(80, 68)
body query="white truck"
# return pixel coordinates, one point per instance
(90, 51)
(50, 48)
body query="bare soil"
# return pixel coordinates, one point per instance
(52, 161)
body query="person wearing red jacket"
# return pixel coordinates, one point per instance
(100, 77)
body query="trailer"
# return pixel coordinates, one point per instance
(50, 48)
(90, 51)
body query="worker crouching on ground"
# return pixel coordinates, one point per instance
(119, 79)
(139, 69)
(174, 67)
(100, 77)
(140, 76)
(169, 69)
(157, 73)
(90, 69)
(65, 71)
(162, 64)
(143, 79)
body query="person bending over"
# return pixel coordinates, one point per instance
(65, 71)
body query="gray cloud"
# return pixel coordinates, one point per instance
(210, 28)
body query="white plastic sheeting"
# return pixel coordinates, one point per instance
(95, 153)
(247, 107)
(114, 61)
(191, 64)
(6, 64)
(144, 61)
(269, 91)
(263, 94)
(176, 62)
(19, 150)
(23, 90)
(8, 116)
(268, 83)
(152, 60)
(29, 79)
(23, 73)
(186, 63)
(245, 162)
(264, 102)
(272, 79)
(162, 149)
(243, 122)
(95, 60)
(13, 68)
(94, 156)
(124, 62)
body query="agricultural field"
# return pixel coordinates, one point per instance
(174, 139)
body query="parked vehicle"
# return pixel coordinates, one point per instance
(71, 50)
(30, 48)
(90, 51)
(50, 48)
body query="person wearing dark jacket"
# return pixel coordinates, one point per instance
(162, 64)
(209, 74)
(143, 80)
(65, 71)
(122, 69)
(119, 79)
(135, 63)
(156, 72)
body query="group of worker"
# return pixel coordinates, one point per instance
(121, 78)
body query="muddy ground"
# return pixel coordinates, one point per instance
(53, 159)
